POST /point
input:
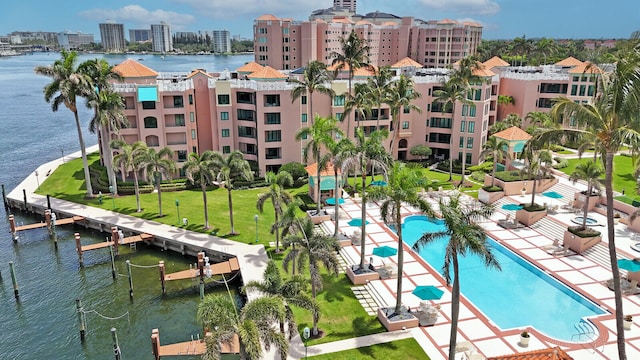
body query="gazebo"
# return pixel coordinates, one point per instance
(515, 138)
(327, 181)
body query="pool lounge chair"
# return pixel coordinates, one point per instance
(631, 287)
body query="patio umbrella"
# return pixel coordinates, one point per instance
(384, 251)
(553, 195)
(427, 292)
(379, 183)
(332, 201)
(511, 207)
(629, 265)
(356, 222)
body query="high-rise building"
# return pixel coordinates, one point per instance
(161, 37)
(345, 4)
(221, 41)
(112, 37)
(139, 35)
(73, 40)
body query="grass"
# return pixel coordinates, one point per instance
(400, 349)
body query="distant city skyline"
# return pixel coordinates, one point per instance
(502, 19)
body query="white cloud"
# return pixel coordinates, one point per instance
(139, 15)
(478, 7)
(251, 9)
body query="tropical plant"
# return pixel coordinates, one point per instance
(339, 152)
(404, 183)
(67, 84)
(253, 325)
(360, 102)
(200, 169)
(379, 85)
(497, 150)
(591, 173)
(157, 164)
(315, 79)
(465, 236)
(448, 94)
(538, 165)
(291, 224)
(278, 197)
(131, 160)
(230, 168)
(421, 151)
(315, 250)
(400, 98)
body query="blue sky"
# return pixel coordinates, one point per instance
(502, 19)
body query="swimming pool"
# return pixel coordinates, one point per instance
(518, 296)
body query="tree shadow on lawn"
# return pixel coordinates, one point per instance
(333, 290)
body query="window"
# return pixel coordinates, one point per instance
(461, 144)
(193, 134)
(472, 110)
(472, 127)
(150, 122)
(303, 118)
(223, 100)
(178, 102)
(303, 136)
(272, 153)
(285, 30)
(406, 109)
(303, 99)
(249, 115)
(465, 110)
(192, 116)
(148, 105)
(224, 115)
(574, 89)
(583, 88)
(262, 30)
(463, 124)
(443, 123)
(190, 99)
(246, 131)
(339, 116)
(572, 121)
(179, 119)
(338, 100)
(273, 135)
(576, 78)
(272, 118)
(590, 90)
(244, 98)
(182, 155)
(405, 124)
(469, 143)
(225, 133)
(272, 100)
(226, 149)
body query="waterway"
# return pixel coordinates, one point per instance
(43, 323)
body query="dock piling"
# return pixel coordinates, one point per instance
(116, 346)
(14, 280)
(48, 201)
(79, 249)
(113, 263)
(155, 344)
(130, 279)
(162, 273)
(201, 289)
(12, 225)
(47, 220)
(54, 234)
(115, 237)
(81, 319)
(4, 199)
(24, 195)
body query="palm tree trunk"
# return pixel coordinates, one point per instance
(398, 309)
(203, 186)
(136, 187)
(533, 190)
(585, 207)
(349, 117)
(278, 234)
(337, 199)
(495, 167)
(453, 111)
(230, 200)
(159, 194)
(311, 108)
(464, 156)
(107, 155)
(83, 151)
(318, 200)
(363, 214)
(455, 308)
(622, 355)
(313, 295)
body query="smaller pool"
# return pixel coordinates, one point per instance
(590, 221)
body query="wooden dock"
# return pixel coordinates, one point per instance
(126, 241)
(65, 221)
(190, 348)
(226, 267)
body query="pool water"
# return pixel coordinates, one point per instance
(518, 296)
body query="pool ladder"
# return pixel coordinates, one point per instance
(586, 332)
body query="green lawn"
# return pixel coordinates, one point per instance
(400, 349)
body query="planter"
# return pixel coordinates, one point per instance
(363, 278)
(404, 321)
(487, 197)
(581, 198)
(318, 218)
(524, 340)
(580, 244)
(528, 218)
(626, 324)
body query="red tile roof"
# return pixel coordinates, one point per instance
(133, 69)
(267, 17)
(199, 71)
(546, 354)
(585, 68)
(495, 62)
(327, 171)
(267, 72)
(250, 67)
(513, 133)
(406, 62)
(570, 61)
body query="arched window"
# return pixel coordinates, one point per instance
(150, 122)
(152, 140)
(402, 144)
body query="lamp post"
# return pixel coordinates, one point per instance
(62, 151)
(178, 209)
(255, 217)
(113, 200)
(37, 179)
(305, 336)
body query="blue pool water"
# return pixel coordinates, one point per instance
(518, 296)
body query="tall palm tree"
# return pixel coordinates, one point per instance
(401, 96)
(368, 152)
(230, 168)
(379, 85)
(291, 224)
(354, 55)
(315, 250)
(200, 168)
(538, 165)
(339, 151)
(322, 132)
(404, 183)
(130, 160)
(497, 150)
(253, 325)
(279, 197)
(591, 173)
(466, 236)
(66, 86)
(315, 79)
(448, 94)
(360, 102)
(157, 164)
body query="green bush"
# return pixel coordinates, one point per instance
(490, 188)
(563, 163)
(478, 176)
(556, 148)
(583, 233)
(486, 167)
(534, 207)
(296, 170)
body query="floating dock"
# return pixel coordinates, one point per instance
(125, 241)
(189, 348)
(66, 221)
(216, 269)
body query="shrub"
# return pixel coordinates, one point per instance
(534, 207)
(556, 148)
(486, 167)
(583, 233)
(478, 176)
(296, 169)
(490, 188)
(563, 163)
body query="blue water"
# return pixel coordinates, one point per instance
(518, 296)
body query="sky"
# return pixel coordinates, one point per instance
(502, 19)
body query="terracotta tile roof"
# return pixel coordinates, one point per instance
(267, 72)
(346, 67)
(447, 21)
(406, 62)
(570, 61)
(250, 67)
(513, 133)
(133, 69)
(364, 71)
(327, 171)
(363, 22)
(267, 17)
(483, 72)
(471, 23)
(585, 68)
(546, 354)
(342, 20)
(495, 62)
(389, 23)
(199, 71)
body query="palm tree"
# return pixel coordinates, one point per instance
(278, 197)
(402, 188)
(466, 236)
(497, 150)
(315, 250)
(322, 132)
(379, 85)
(360, 101)
(291, 291)
(291, 224)
(450, 93)
(592, 173)
(66, 86)
(315, 79)
(200, 168)
(538, 165)
(230, 168)
(368, 151)
(157, 164)
(131, 160)
(354, 55)
(400, 99)
(253, 325)
(339, 151)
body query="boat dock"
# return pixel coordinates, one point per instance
(189, 348)
(222, 268)
(67, 221)
(125, 241)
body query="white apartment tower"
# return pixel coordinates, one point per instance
(112, 37)
(221, 41)
(161, 37)
(345, 4)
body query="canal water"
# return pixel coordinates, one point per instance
(43, 323)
